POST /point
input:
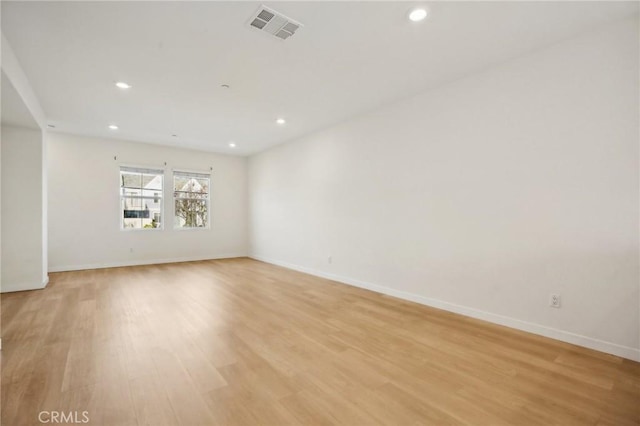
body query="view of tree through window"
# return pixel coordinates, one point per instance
(141, 197)
(191, 199)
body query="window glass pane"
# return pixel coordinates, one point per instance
(191, 184)
(180, 182)
(191, 213)
(152, 182)
(130, 180)
(132, 203)
(154, 194)
(137, 213)
(135, 207)
(201, 185)
(154, 221)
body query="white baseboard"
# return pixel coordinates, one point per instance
(118, 264)
(11, 287)
(553, 333)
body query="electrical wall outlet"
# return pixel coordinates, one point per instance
(554, 301)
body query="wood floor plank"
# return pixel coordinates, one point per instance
(241, 342)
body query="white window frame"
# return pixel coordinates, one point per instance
(142, 169)
(193, 173)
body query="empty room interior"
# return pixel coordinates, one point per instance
(320, 213)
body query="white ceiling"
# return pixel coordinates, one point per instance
(14, 111)
(349, 57)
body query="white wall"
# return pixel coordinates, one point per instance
(24, 187)
(481, 197)
(84, 205)
(23, 230)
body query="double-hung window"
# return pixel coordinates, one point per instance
(191, 200)
(141, 197)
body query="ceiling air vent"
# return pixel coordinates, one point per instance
(274, 23)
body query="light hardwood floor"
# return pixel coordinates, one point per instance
(240, 342)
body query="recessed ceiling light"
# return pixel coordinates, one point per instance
(281, 121)
(51, 126)
(174, 135)
(123, 85)
(417, 15)
(232, 145)
(224, 86)
(113, 127)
